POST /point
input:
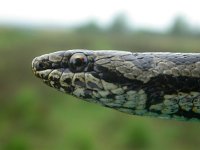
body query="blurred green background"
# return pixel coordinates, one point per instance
(36, 117)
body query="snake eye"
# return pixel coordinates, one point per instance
(78, 62)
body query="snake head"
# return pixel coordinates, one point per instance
(63, 70)
(82, 73)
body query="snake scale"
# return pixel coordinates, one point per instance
(163, 85)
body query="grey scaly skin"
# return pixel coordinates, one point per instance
(164, 85)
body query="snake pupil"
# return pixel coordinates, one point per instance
(78, 62)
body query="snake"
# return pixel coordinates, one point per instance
(155, 84)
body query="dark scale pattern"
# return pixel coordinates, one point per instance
(115, 77)
(180, 59)
(159, 86)
(88, 94)
(140, 60)
(92, 85)
(68, 81)
(186, 114)
(68, 89)
(79, 83)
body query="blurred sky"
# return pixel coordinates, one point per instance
(154, 14)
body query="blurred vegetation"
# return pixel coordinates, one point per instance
(36, 117)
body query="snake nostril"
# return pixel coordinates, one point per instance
(41, 65)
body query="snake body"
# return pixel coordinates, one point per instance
(164, 85)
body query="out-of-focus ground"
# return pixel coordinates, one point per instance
(36, 117)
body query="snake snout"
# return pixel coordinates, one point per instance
(54, 63)
(47, 61)
(39, 65)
